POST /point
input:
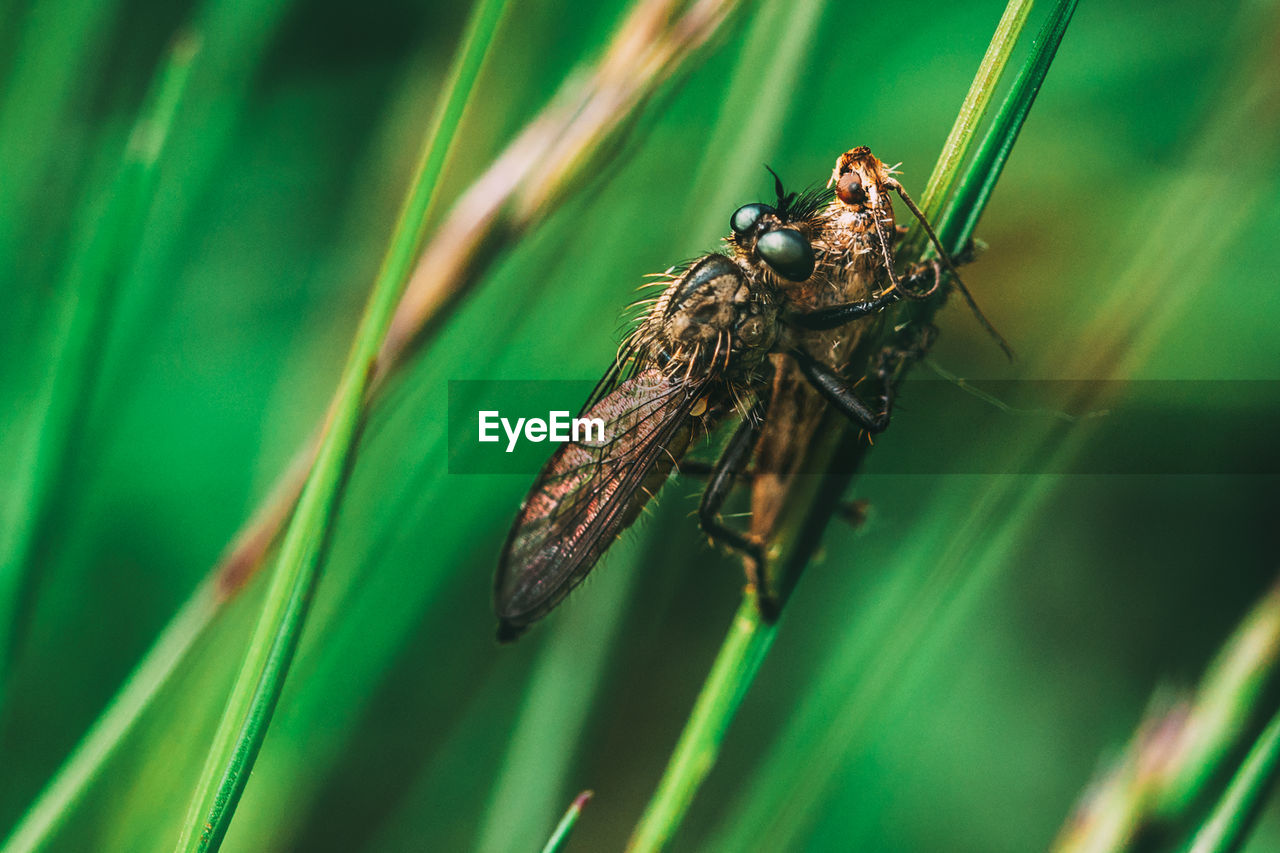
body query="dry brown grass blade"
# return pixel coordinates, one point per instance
(547, 158)
(544, 163)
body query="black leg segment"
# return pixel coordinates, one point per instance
(694, 468)
(839, 393)
(730, 464)
(835, 316)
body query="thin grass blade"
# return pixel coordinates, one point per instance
(965, 208)
(972, 110)
(1177, 752)
(560, 837)
(1228, 826)
(257, 689)
(109, 240)
(734, 669)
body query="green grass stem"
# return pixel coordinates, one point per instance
(560, 837)
(961, 214)
(731, 675)
(257, 689)
(749, 636)
(972, 110)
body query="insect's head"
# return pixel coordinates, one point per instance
(757, 227)
(859, 178)
(775, 234)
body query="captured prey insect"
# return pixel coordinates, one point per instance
(701, 353)
(861, 234)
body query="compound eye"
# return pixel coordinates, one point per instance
(746, 217)
(849, 189)
(787, 252)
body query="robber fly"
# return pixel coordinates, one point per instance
(793, 272)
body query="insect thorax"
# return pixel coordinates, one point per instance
(712, 318)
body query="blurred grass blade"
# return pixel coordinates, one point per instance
(51, 59)
(956, 226)
(546, 161)
(1228, 826)
(735, 667)
(1179, 748)
(1228, 698)
(109, 240)
(48, 812)
(560, 837)
(776, 49)
(551, 157)
(963, 131)
(563, 687)
(261, 679)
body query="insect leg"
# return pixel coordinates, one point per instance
(727, 468)
(834, 316)
(893, 184)
(695, 468)
(839, 393)
(702, 470)
(853, 512)
(917, 273)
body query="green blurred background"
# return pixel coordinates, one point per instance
(948, 677)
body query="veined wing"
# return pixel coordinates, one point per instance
(590, 491)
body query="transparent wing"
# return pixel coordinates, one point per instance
(590, 491)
